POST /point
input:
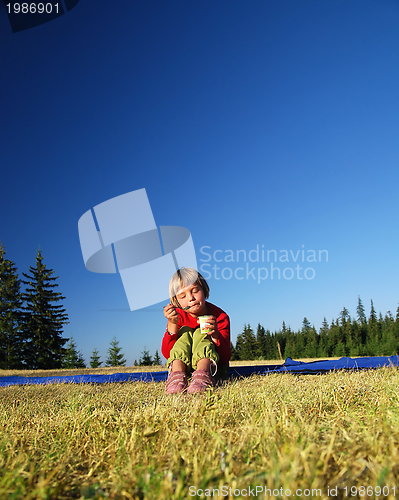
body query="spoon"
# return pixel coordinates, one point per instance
(183, 308)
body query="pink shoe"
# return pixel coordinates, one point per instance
(177, 382)
(201, 381)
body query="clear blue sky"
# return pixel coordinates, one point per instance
(271, 123)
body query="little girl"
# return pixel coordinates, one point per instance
(183, 345)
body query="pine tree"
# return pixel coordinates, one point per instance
(239, 347)
(344, 333)
(322, 350)
(282, 343)
(269, 343)
(10, 314)
(373, 334)
(114, 356)
(248, 350)
(373, 314)
(356, 347)
(73, 358)
(234, 355)
(289, 351)
(95, 359)
(261, 342)
(350, 339)
(157, 360)
(42, 321)
(306, 326)
(312, 343)
(361, 315)
(333, 338)
(389, 338)
(338, 333)
(146, 359)
(344, 316)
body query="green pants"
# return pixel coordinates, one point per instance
(191, 346)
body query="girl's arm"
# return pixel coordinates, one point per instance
(172, 328)
(168, 342)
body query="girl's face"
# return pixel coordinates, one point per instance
(192, 296)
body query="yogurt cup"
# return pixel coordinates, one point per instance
(203, 324)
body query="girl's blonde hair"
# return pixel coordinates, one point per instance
(184, 277)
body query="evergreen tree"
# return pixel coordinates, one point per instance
(355, 347)
(239, 347)
(389, 337)
(373, 334)
(146, 359)
(322, 350)
(95, 359)
(349, 335)
(361, 315)
(234, 355)
(269, 346)
(312, 343)
(42, 321)
(306, 326)
(249, 347)
(261, 342)
(373, 314)
(73, 358)
(389, 317)
(344, 316)
(301, 339)
(395, 327)
(283, 343)
(115, 358)
(310, 340)
(339, 349)
(10, 305)
(289, 351)
(362, 328)
(157, 360)
(344, 332)
(332, 338)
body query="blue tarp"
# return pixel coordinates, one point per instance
(290, 366)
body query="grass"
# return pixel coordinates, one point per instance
(131, 441)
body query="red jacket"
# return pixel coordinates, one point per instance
(222, 344)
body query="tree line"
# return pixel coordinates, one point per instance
(345, 336)
(74, 358)
(31, 327)
(32, 321)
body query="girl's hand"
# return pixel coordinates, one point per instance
(171, 314)
(212, 324)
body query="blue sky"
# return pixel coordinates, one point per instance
(249, 123)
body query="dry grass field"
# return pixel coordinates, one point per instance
(276, 436)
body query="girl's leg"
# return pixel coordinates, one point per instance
(204, 364)
(182, 350)
(178, 366)
(179, 360)
(204, 350)
(204, 355)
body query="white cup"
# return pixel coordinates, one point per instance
(204, 325)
